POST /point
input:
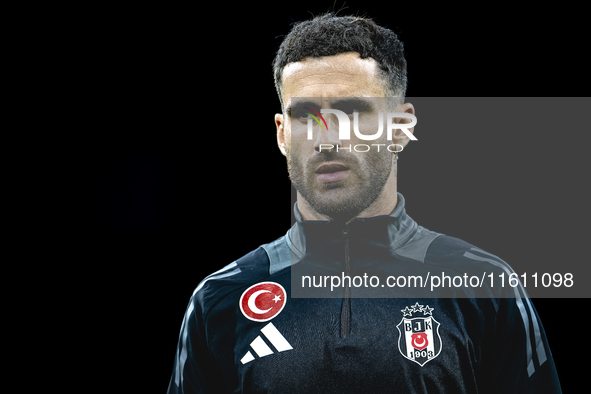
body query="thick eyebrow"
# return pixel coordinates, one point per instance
(361, 103)
(300, 104)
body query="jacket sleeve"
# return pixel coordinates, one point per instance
(195, 370)
(522, 361)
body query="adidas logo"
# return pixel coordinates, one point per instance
(260, 346)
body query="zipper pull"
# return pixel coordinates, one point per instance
(346, 303)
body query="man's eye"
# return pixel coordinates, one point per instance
(302, 115)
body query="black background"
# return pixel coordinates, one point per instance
(184, 175)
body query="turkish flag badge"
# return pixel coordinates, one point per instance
(263, 301)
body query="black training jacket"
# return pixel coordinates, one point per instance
(387, 329)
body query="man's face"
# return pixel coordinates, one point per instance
(343, 183)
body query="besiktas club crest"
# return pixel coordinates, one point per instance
(419, 339)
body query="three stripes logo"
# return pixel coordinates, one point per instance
(261, 348)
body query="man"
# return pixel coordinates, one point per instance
(272, 321)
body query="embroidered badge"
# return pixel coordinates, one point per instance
(419, 338)
(263, 301)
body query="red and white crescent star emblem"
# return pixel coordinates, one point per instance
(263, 301)
(419, 341)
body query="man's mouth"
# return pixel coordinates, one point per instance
(332, 172)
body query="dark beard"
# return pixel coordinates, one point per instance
(341, 200)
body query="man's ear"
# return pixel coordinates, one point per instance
(399, 137)
(280, 133)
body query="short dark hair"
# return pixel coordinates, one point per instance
(329, 35)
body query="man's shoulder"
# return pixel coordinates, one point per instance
(256, 266)
(455, 253)
(432, 248)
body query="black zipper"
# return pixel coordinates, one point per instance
(346, 304)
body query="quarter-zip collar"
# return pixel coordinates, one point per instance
(370, 238)
(349, 248)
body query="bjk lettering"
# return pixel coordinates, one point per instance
(419, 326)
